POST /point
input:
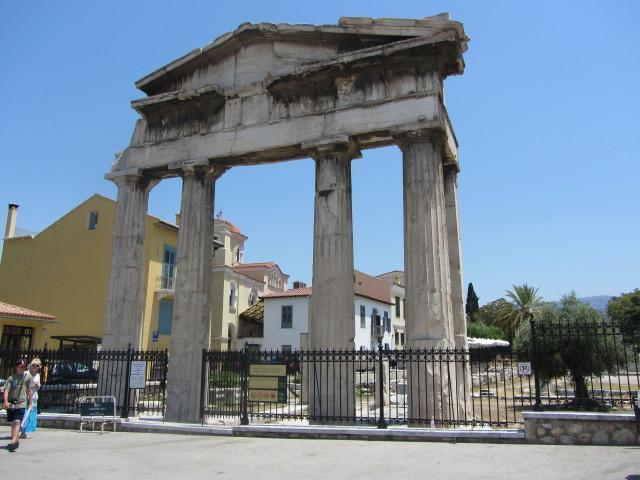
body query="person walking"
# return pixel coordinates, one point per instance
(18, 396)
(30, 421)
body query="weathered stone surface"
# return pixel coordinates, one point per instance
(125, 298)
(624, 436)
(463, 375)
(331, 306)
(574, 429)
(281, 86)
(567, 439)
(191, 326)
(541, 432)
(600, 438)
(426, 252)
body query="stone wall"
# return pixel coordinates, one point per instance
(585, 428)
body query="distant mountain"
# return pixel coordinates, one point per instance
(599, 302)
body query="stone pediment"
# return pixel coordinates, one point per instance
(254, 52)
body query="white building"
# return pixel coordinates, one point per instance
(395, 280)
(286, 316)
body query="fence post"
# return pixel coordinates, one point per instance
(125, 407)
(203, 383)
(380, 380)
(244, 392)
(534, 360)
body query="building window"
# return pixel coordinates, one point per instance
(387, 321)
(165, 318)
(93, 220)
(253, 297)
(375, 321)
(404, 310)
(397, 306)
(401, 338)
(168, 268)
(363, 316)
(286, 348)
(286, 320)
(233, 297)
(16, 338)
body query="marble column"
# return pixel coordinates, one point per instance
(125, 297)
(463, 369)
(429, 322)
(331, 315)
(191, 326)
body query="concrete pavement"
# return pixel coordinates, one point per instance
(74, 455)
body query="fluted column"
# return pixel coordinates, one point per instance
(331, 313)
(125, 297)
(429, 322)
(331, 316)
(191, 326)
(463, 369)
(455, 257)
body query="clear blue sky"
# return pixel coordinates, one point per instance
(547, 115)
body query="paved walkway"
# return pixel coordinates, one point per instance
(65, 454)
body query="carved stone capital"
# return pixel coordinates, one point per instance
(210, 172)
(333, 146)
(405, 139)
(135, 180)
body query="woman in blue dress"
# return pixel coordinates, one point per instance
(30, 421)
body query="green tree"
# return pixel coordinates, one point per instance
(490, 313)
(480, 330)
(523, 301)
(473, 302)
(569, 341)
(626, 310)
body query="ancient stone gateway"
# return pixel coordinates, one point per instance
(269, 93)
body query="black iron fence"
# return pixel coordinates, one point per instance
(559, 365)
(427, 387)
(69, 375)
(590, 365)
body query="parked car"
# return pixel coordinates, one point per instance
(71, 372)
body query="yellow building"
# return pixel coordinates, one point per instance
(64, 271)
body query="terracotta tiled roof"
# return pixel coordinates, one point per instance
(292, 292)
(258, 276)
(255, 313)
(233, 228)
(13, 311)
(365, 286)
(372, 287)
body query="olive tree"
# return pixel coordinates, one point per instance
(571, 339)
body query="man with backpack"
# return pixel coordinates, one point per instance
(18, 396)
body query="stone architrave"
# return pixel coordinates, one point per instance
(331, 326)
(463, 372)
(191, 326)
(429, 322)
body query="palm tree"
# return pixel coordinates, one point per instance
(523, 301)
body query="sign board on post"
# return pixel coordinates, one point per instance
(524, 368)
(268, 383)
(154, 336)
(138, 374)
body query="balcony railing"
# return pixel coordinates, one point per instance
(166, 283)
